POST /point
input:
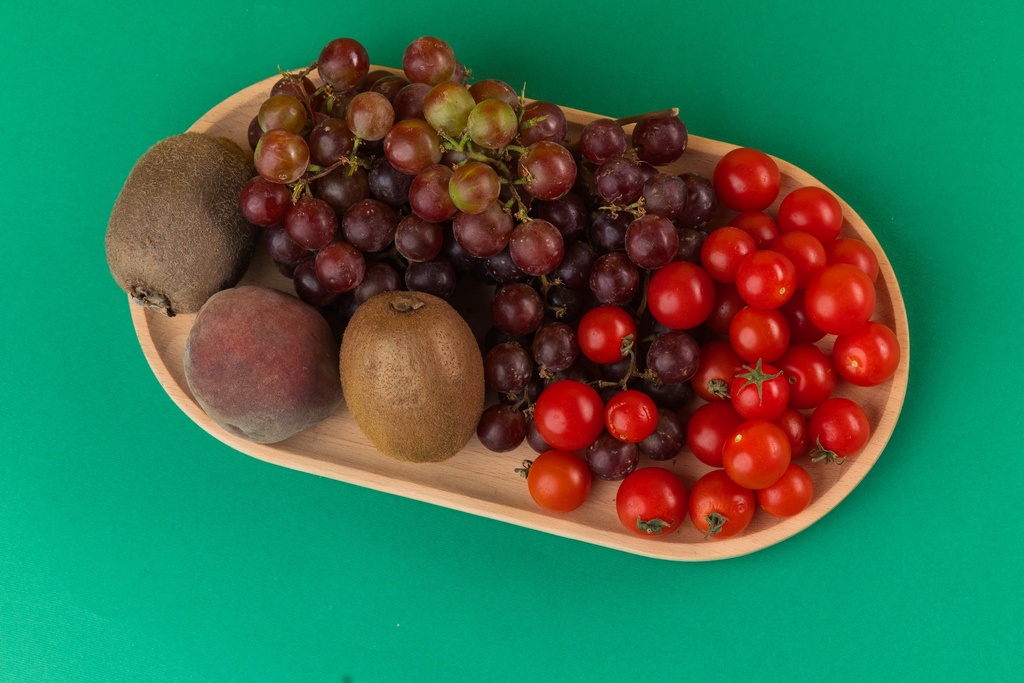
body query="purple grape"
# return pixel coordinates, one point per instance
(614, 279)
(668, 439)
(517, 309)
(609, 458)
(501, 428)
(507, 368)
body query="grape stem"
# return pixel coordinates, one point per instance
(636, 118)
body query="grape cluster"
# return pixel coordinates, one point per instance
(372, 181)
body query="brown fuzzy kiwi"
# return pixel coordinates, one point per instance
(176, 234)
(413, 376)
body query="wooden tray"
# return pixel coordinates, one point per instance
(484, 483)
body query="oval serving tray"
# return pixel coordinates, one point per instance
(485, 483)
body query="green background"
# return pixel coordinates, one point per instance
(135, 547)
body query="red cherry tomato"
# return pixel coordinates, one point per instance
(793, 422)
(708, 428)
(837, 429)
(718, 364)
(868, 356)
(723, 250)
(746, 179)
(809, 373)
(631, 416)
(759, 333)
(569, 415)
(840, 299)
(855, 252)
(602, 331)
(760, 392)
(651, 501)
(558, 480)
(756, 454)
(790, 495)
(804, 251)
(719, 507)
(681, 295)
(766, 279)
(758, 225)
(811, 209)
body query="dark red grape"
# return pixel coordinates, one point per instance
(388, 184)
(568, 213)
(667, 396)
(408, 103)
(330, 141)
(500, 268)
(701, 202)
(369, 116)
(665, 195)
(673, 357)
(601, 140)
(690, 242)
(542, 121)
(547, 169)
(436, 276)
(343, 187)
(428, 60)
(379, 277)
(343, 63)
(660, 141)
(619, 181)
(254, 132)
(417, 239)
(281, 156)
(282, 248)
(284, 112)
(614, 279)
(429, 197)
(517, 309)
(668, 439)
(483, 234)
(651, 241)
(608, 230)
(574, 269)
(340, 266)
(264, 203)
(389, 86)
(611, 459)
(311, 223)
(308, 287)
(491, 89)
(412, 145)
(501, 428)
(370, 225)
(555, 346)
(536, 247)
(507, 368)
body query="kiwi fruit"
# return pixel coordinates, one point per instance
(412, 376)
(176, 234)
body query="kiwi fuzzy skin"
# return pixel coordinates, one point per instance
(412, 375)
(176, 234)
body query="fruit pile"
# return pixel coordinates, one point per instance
(626, 323)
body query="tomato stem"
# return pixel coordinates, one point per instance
(524, 471)
(821, 453)
(653, 526)
(716, 521)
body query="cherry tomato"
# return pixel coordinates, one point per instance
(790, 495)
(811, 209)
(746, 179)
(727, 303)
(756, 454)
(868, 356)
(759, 333)
(631, 416)
(837, 429)
(718, 364)
(766, 279)
(809, 373)
(723, 251)
(801, 329)
(760, 392)
(840, 299)
(651, 501)
(558, 480)
(758, 225)
(804, 251)
(794, 423)
(681, 295)
(855, 252)
(719, 507)
(708, 428)
(569, 415)
(602, 331)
